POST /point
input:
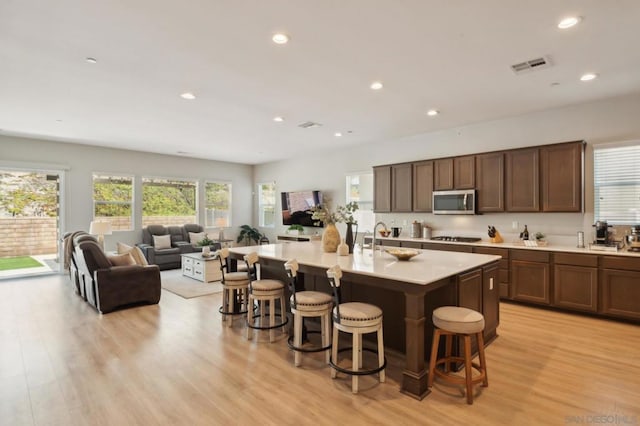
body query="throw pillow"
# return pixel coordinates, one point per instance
(121, 260)
(162, 241)
(135, 252)
(196, 237)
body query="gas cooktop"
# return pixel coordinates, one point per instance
(457, 239)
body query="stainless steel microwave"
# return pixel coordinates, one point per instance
(454, 202)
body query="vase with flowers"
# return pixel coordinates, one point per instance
(346, 214)
(331, 235)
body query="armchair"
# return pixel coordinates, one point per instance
(111, 287)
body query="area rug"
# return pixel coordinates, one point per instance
(176, 283)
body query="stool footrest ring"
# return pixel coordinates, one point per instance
(359, 372)
(455, 379)
(310, 349)
(260, 327)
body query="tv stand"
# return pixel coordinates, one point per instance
(294, 237)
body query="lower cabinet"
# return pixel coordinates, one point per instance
(575, 282)
(530, 276)
(620, 294)
(490, 300)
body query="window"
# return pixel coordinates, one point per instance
(113, 200)
(217, 204)
(360, 190)
(267, 205)
(617, 183)
(168, 201)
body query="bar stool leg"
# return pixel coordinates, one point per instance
(283, 312)
(250, 303)
(467, 367)
(356, 361)
(434, 355)
(448, 343)
(334, 352)
(272, 320)
(483, 361)
(297, 337)
(382, 373)
(326, 335)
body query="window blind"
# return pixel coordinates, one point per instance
(616, 173)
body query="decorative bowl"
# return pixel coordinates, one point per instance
(402, 253)
(385, 232)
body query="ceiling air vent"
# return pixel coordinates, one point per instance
(532, 64)
(309, 124)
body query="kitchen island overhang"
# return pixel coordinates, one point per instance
(407, 291)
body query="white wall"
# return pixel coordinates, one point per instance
(83, 160)
(597, 122)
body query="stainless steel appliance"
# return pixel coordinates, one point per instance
(602, 232)
(457, 239)
(416, 229)
(454, 202)
(633, 240)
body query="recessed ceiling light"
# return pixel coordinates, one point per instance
(337, 134)
(188, 95)
(280, 38)
(92, 60)
(433, 112)
(278, 119)
(569, 22)
(376, 85)
(588, 76)
(58, 121)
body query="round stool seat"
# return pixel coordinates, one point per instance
(356, 314)
(236, 276)
(311, 300)
(266, 286)
(458, 320)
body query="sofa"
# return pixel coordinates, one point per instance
(115, 282)
(174, 241)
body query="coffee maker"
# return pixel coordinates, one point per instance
(602, 232)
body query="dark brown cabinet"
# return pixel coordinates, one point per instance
(443, 174)
(490, 300)
(448, 247)
(423, 186)
(575, 278)
(382, 189)
(490, 182)
(470, 290)
(620, 282)
(522, 183)
(561, 177)
(530, 276)
(464, 172)
(502, 282)
(401, 187)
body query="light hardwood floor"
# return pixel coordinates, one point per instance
(175, 363)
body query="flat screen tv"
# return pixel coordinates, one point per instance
(296, 205)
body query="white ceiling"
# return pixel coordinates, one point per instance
(452, 55)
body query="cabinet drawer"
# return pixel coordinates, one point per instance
(198, 263)
(187, 270)
(618, 262)
(187, 260)
(411, 244)
(530, 255)
(575, 259)
(492, 250)
(448, 247)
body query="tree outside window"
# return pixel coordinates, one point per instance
(168, 201)
(267, 204)
(113, 200)
(218, 204)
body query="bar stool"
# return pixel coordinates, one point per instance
(235, 290)
(264, 291)
(358, 319)
(457, 321)
(308, 304)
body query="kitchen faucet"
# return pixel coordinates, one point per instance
(373, 243)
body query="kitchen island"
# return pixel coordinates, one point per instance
(407, 291)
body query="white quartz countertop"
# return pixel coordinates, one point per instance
(427, 267)
(510, 245)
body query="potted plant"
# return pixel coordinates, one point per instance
(295, 229)
(206, 241)
(248, 234)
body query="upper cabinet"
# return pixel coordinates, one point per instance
(522, 180)
(490, 182)
(443, 174)
(382, 189)
(423, 186)
(562, 177)
(464, 175)
(547, 178)
(401, 187)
